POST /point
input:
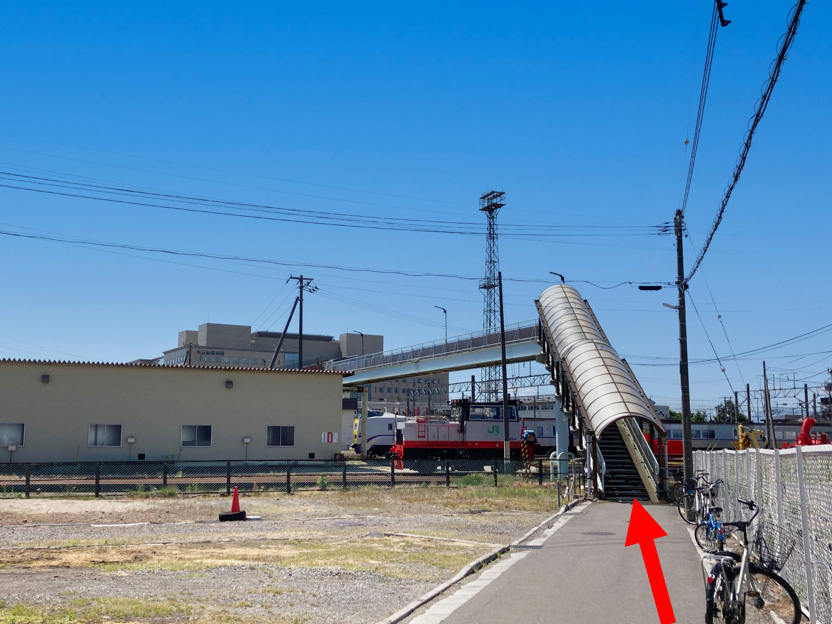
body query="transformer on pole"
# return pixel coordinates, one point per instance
(490, 204)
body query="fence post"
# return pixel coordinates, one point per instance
(759, 478)
(228, 477)
(392, 473)
(727, 506)
(748, 489)
(778, 481)
(288, 478)
(540, 472)
(447, 473)
(807, 545)
(345, 475)
(28, 479)
(164, 474)
(97, 480)
(494, 470)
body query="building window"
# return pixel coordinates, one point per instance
(11, 433)
(245, 361)
(236, 361)
(216, 359)
(280, 436)
(226, 360)
(104, 435)
(196, 435)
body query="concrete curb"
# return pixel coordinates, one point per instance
(472, 567)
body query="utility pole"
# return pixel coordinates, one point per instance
(681, 282)
(303, 284)
(748, 400)
(506, 439)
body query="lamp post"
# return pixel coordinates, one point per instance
(362, 341)
(446, 321)
(562, 278)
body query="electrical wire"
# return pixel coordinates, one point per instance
(785, 43)
(178, 202)
(703, 96)
(710, 342)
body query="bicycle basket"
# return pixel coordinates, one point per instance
(772, 546)
(714, 491)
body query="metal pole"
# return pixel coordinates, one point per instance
(363, 437)
(300, 325)
(806, 398)
(736, 406)
(446, 321)
(687, 446)
(283, 336)
(748, 400)
(506, 443)
(473, 388)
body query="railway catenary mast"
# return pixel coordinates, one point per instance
(490, 204)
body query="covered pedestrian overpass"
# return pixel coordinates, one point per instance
(602, 402)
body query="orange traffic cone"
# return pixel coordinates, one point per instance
(235, 502)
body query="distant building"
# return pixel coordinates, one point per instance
(236, 346)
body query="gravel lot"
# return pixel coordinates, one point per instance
(315, 557)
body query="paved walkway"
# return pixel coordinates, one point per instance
(580, 571)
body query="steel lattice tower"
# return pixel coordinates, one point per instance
(490, 204)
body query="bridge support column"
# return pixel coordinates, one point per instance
(562, 443)
(362, 440)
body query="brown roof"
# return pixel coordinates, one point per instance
(235, 369)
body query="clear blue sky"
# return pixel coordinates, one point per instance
(578, 111)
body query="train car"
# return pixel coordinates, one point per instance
(709, 436)
(381, 432)
(473, 430)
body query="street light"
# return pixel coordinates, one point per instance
(362, 341)
(562, 278)
(446, 321)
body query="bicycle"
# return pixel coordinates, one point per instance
(679, 488)
(698, 499)
(742, 591)
(710, 534)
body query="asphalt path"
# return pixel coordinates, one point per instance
(580, 571)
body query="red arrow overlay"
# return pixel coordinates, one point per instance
(643, 530)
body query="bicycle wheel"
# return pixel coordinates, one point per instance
(715, 607)
(768, 598)
(687, 501)
(678, 491)
(707, 538)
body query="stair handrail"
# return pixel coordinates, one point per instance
(646, 463)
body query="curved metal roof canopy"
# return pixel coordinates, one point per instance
(605, 387)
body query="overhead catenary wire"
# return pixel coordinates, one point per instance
(710, 342)
(785, 44)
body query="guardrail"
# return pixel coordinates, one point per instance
(220, 477)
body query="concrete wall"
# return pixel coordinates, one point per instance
(153, 402)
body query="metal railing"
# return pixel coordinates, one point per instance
(220, 477)
(517, 332)
(794, 491)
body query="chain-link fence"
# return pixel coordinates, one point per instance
(794, 490)
(220, 477)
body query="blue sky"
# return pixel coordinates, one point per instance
(578, 111)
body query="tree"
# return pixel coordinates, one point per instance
(699, 416)
(675, 415)
(727, 412)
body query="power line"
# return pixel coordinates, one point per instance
(785, 43)
(178, 202)
(703, 96)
